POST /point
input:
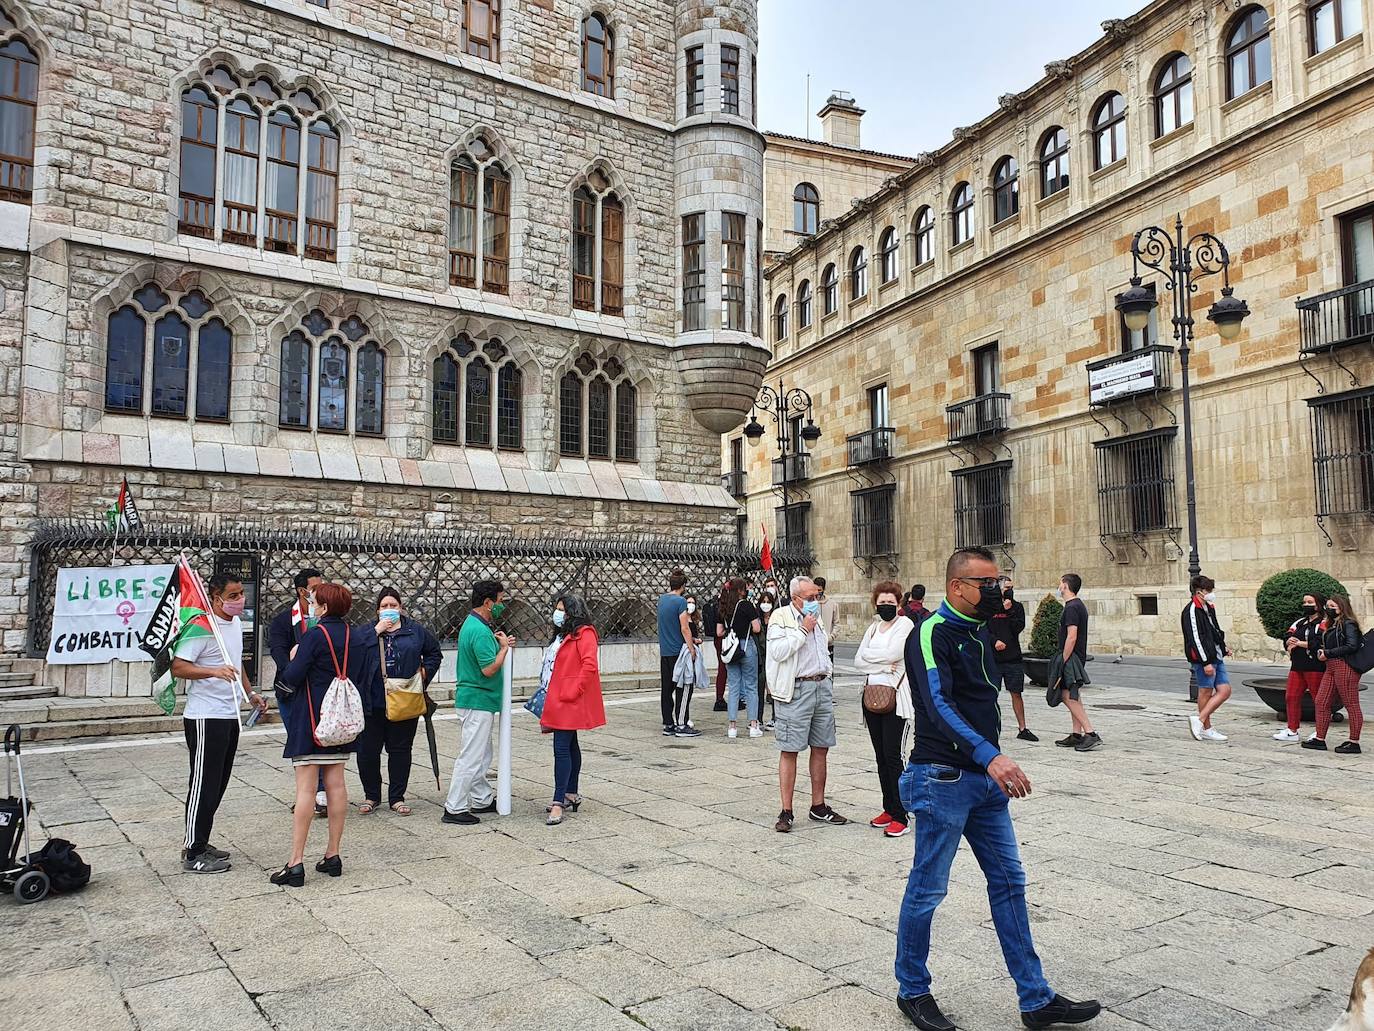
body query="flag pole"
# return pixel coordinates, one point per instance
(214, 629)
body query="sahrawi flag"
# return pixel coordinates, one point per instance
(181, 615)
(124, 516)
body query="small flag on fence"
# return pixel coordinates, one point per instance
(766, 556)
(124, 516)
(182, 614)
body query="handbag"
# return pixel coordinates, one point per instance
(341, 712)
(1362, 659)
(405, 697)
(881, 699)
(535, 702)
(730, 649)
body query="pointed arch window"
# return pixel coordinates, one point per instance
(1006, 190)
(598, 411)
(18, 113)
(925, 236)
(260, 133)
(479, 220)
(477, 395)
(332, 377)
(177, 345)
(598, 248)
(804, 304)
(598, 57)
(887, 255)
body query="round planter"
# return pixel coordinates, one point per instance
(1037, 670)
(1272, 691)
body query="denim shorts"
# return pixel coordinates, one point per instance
(1206, 683)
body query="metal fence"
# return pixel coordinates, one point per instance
(621, 577)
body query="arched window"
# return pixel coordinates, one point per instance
(1331, 21)
(961, 215)
(479, 220)
(1006, 189)
(830, 290)
(482, 29)
(806, 209)
(804, 304)
(598, 407)
(349, 366)
(175, 344)
(1173, 95)
(780, 318)
(925, 236)
(18, 110)
(1054, 162)
(598, 222)
(598, 57)
(477, 395)
(259, 132)
(1249, 55)
(887, 255)
(1109, 130)
(858, 273)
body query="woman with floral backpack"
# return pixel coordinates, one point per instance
(329, 654)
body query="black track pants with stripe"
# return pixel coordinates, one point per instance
(211, 743)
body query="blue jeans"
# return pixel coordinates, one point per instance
(1219, 676)
(742, 680)
(567, 764)
(971, 806)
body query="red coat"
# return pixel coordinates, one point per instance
(574, 698)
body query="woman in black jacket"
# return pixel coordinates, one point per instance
(1303, 642)
(1341, 640)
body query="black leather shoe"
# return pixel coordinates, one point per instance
(331, 865)
(463, 819)
(1062, 1011)
(490, 807)
(291, 876)
(924, 1013)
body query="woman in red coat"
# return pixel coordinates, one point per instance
(571, 678)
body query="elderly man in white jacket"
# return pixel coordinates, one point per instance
(800, 681)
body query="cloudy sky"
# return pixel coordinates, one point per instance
(918, 67)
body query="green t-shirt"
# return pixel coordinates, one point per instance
(477, 649)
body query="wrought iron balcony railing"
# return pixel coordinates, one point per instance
(1146, 370)
(871, 446)
(791, 468)
(979, 416)
(733, 481)
(1338, 318)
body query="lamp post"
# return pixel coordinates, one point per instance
(1183, 261)
(784, 406)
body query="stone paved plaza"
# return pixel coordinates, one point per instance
(1190, 887)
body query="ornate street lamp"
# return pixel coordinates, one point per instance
(1183, 261)
(784, 406)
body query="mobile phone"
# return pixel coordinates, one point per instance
(253, 718)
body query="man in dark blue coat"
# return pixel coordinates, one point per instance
(284, 634)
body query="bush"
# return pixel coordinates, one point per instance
(1279, 601)
(1044, 640)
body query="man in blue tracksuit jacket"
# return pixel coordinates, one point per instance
(958, 785)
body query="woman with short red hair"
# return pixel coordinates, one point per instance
(332, 649)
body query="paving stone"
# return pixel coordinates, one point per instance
(163, 1005)
(60, 1000)
(762, 979)
(621, 977)
(553, 1006)
(344, 1004)
(283, 964)
(670, 935)
(846, 1009)
(815, 936)
(700, 1008)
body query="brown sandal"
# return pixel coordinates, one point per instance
(400, 808)
(368, 808)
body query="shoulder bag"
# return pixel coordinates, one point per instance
(341, 712)
(881, 699)
(1362, 659)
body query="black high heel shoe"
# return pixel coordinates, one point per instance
(331, 865)
(568, 806)
(291, 876)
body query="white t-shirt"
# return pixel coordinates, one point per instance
(214, 698)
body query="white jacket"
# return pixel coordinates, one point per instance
(690, 670)
(882, 656)
(785, 640)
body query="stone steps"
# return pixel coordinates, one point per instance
(25, 691)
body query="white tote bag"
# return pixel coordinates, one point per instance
(341, 712)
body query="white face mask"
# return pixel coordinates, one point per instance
(765, 607)
(1210, 598)
(691, 606)
(1060, 592)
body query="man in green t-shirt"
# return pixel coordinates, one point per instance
(481, 654)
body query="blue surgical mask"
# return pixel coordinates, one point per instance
(391, 615)
(559, 617)
(811, 608)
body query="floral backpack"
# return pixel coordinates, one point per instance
(341, 712)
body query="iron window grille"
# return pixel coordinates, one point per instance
(794, 528)
(982, 506)
(1135, 484)
(1343, 452)
(872, 510)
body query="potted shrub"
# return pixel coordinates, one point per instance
(1044, 640)
(1278, 603)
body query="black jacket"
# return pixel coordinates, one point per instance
(1309, 632)
(1342, 640)
(1203, 640)
(282, 636)
(1007, 627)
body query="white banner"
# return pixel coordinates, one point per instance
(1120, 379)
(100, 613)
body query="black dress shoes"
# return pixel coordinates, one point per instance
(922, 1011)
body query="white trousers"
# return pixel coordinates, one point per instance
(469, 787)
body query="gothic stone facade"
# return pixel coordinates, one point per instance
(1283, 173)
(106, 246)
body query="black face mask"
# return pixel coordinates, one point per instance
(887, 613)
(1007, 593)
(989, 602)
(1332, 613)
(1309, 610)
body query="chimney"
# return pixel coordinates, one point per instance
(840, 120)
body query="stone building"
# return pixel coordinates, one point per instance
(975, 384)
(466, 264)
(806, 182)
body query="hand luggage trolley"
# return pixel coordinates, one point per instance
(28, 881)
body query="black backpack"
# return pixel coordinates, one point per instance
(65, 869)
(1362, 659)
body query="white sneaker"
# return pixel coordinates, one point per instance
(320, 798)
(1287, 735)
(1212, 734)
(732, 732)
(1195, 727)
(756, 732)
